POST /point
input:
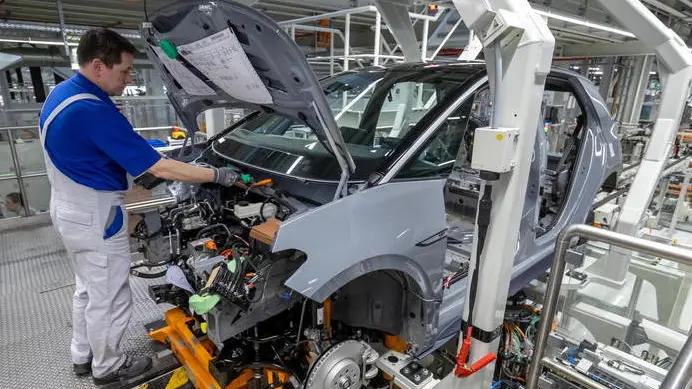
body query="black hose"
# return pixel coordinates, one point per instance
(156, 264)
(147, 275)
(484, 207)
(213, 226)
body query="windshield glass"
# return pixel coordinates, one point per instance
(374, 111)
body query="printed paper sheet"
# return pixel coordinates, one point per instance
(222, 59)
(188, 81)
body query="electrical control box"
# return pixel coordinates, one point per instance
(495, 149)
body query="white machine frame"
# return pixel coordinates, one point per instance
(675, 68)
(672, 285)
(518, 48)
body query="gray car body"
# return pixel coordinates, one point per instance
(384, 224)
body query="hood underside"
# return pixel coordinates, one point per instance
(225, 54)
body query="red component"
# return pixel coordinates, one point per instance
(462, 368)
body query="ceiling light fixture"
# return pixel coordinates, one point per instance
(37, 42)
(580, 22)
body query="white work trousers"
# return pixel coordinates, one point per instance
(102, 305)
(102, 299)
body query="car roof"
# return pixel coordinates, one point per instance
(444, 65)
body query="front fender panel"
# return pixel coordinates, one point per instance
(385, 221)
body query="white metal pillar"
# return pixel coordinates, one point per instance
(378, 38)
(518, 48)
(607, 80)
(472, 49)
(682, 200)
(395, 14)
(5, 90)
(675, 68)
(215, 121)
(424, 41)
(347, 40)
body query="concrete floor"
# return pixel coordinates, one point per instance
(36, 287)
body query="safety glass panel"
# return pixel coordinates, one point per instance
(29, 151)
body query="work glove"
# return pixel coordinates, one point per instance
(225, 176)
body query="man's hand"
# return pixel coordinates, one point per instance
(225, 176)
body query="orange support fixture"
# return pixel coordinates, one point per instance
(197, 355)
(191, 353)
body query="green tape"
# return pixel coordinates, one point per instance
(203, 304)
(169, 48)
(246, 178)
(231, 266)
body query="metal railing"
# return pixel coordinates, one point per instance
(677, 376)
(16, 167)
(377, 57)
(17, 173)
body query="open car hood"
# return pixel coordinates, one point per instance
(222, 53)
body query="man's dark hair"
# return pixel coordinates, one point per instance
(104, 44)
(15, 198)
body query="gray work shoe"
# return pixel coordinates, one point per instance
(133, 367)
(81, 369)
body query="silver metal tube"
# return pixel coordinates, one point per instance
(51, 27)
(329, 15)
(358, 56)
(141, 206)
(347, 40)
(18, 173)
(351, 11)
(680, 374)
(61, 16)
(557, 270)
(378, 37)
(331, 54)
(424, 41)
(571, 374)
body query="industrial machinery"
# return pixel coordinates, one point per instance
(349, 234)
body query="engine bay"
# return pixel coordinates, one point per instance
(215, 244)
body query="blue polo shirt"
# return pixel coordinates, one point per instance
(91, 142)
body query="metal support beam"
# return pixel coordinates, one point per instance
(518, 48)
(63, 31)
(682, 200)
(679, 375)
(675, 68)
(607, 80)
(378, 38)
(8, 77)
(396, 15)
(424, 40)
(18, 171)
(347, 41)
(20, 83)
(37, 82)
(5, 91)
